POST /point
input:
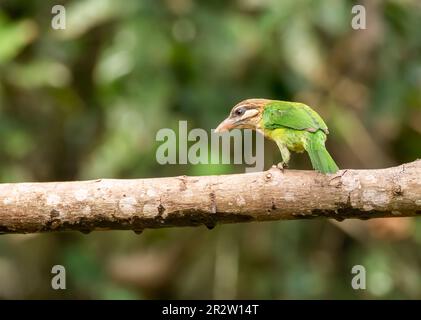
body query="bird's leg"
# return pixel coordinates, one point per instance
(282, 165)
(285, 154)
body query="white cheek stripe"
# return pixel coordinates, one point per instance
(249, 113)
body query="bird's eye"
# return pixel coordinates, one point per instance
(239, 111)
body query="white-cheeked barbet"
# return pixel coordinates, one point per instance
(293, 126)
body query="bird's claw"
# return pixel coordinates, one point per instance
(282, 166)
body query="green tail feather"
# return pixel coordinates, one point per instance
(319, 156)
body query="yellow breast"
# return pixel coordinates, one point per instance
(293, 139)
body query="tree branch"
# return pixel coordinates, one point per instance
(191, 201)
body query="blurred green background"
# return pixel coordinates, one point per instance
(86, 102)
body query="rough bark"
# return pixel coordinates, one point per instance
(207, 200)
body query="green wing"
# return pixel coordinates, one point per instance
(292, 115)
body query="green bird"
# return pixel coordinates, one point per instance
(293, 126)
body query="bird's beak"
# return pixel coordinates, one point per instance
(225, 126)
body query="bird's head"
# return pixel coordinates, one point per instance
(244, 115)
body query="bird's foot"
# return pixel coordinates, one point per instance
(282, 166)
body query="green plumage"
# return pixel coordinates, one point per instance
(297, 127)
